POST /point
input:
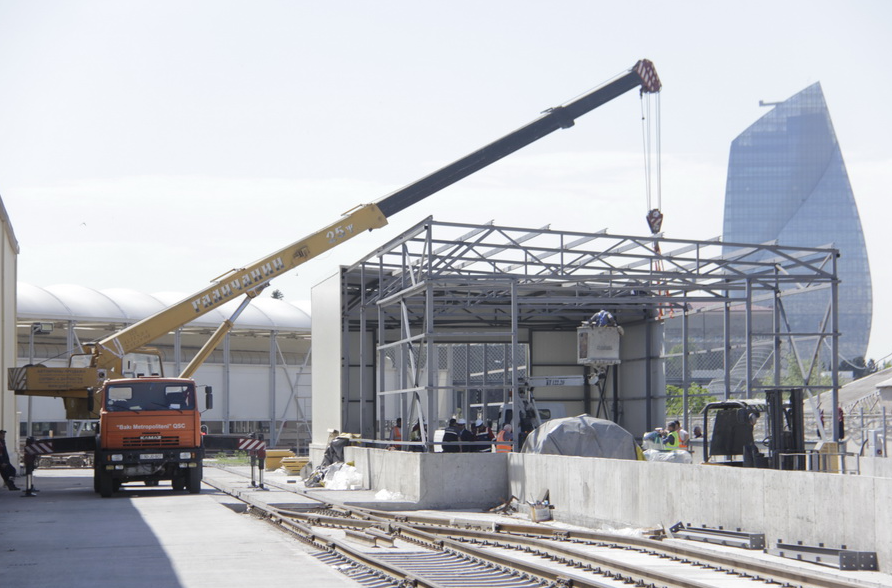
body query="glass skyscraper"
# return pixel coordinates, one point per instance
(787, 182)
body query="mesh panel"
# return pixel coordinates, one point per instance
(471, 379)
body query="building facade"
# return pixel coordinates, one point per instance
(9, 251)
(260, 373)
(787, 183)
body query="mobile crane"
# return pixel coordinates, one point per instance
(149, 427)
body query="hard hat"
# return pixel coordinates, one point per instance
(461, 422)
(479, 423)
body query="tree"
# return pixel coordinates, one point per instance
(858, 366)
(792, 376)
(277, 294)
(698, 397)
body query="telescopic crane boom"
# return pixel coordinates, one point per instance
(106, 356)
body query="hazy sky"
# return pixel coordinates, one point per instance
(156, 145)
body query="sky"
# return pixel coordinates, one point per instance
(156, 145)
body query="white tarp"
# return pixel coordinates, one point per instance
(583, 436)
(341, 476)
(674, 456)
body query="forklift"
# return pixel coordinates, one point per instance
(735, 426)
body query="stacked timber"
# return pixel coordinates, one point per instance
(293, 465)
(274, 458)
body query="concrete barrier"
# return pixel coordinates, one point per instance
(435, 480)
(791, 506)
(877, 467)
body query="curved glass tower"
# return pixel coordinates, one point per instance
(787, 182)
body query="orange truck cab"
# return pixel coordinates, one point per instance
(149, 430)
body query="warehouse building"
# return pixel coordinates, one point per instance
(260, 373)
(9, 251)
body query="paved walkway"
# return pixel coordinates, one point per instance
(143, 537)
(155, 538)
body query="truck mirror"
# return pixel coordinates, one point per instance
(91, 401)
(208, 398)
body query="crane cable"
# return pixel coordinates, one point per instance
(650, 133)
(652, 183)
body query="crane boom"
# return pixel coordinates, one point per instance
(642, 75)
(249, 280)
(254, 277)
(107, 354)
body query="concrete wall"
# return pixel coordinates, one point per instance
(877, 467)
(9, 250)
(792, 506)
(810, 507)
(435, 480)
(327, 359)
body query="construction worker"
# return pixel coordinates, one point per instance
(7, 470)
(465, 436)
(450, 437)
(670, 438)
(505, 440)
(484, 435)
(683, 436)
(396, 433)
(415, 436)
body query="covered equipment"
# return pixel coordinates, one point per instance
(583, 436)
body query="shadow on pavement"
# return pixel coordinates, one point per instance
(66, 535)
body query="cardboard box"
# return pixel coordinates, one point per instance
(539, 514)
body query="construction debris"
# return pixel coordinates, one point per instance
(540, 510)
(509, 507)
(293, 465)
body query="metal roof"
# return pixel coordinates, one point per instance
(561, 277)
(66, 302)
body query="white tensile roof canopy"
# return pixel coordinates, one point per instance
(66, 302)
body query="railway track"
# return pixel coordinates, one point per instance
(381, 548)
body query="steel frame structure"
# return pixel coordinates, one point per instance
(442, 282)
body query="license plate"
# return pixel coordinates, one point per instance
(151, 456)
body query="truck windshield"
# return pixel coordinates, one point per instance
(150, 396)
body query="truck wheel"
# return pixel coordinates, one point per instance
(106, 485)
(193, 481)
(95, 480)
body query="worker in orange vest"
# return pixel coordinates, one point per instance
(505, 440)
(683, 436)
(396, 433)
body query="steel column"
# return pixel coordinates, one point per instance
(273, 362)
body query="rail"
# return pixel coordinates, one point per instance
(438, 550)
